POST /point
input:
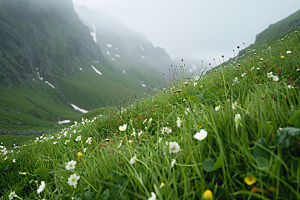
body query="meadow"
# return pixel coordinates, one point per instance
(232, 133)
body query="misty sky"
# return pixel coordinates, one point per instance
(201, 29)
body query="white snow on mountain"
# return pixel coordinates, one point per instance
(64, 121)
(79, 109)
(94, 32)
(142, 47)
(49, 84)
(38, 73)
(96, 70)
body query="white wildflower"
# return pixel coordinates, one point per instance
(71, 165)
(173, 147)
(153, 196)
(133, 159)
(12, 195)
(201, 135)
(42, 187)
(172, 163)
(89, 140)
(123, 128)
(179, 121)
(78, 138)
(72, 180)
(166, 130)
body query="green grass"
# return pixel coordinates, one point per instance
(32, 108)
(18, 140)
(251, 150)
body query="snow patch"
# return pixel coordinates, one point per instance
(124, 71)
(116, 48)
(38, 73)
(142, 47)
(96, 70)
(112, 58)
(143, 85)
(143, 57)
(49, 84)
(79, 109)
(93, 33)
(117, 55)
(108, 52)
(109, 45)
(80, 68)
(64, 121)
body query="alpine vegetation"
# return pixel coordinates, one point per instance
(233, 133)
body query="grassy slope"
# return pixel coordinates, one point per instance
(281, 27)
(43, 107)
(235, 149)
(36, 109)
(277, 31)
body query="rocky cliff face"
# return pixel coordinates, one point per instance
(41, 38)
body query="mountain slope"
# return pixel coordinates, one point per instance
(284, 26)
(126, 48)
(49, 63)
(275, 33)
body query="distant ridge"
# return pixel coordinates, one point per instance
(283, 26)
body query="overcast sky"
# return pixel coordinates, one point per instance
(202, 29)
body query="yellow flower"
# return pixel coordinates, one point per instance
(79, 154)
(269, 47)
(208, 194)
(281, 56)
(162, 185)
(249, 180)
(201, 86)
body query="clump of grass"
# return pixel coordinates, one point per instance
(230, 134)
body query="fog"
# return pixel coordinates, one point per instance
(197, 29)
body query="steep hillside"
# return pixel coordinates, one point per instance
(41, 37)
(284, 26)
(50, 66)
(128, 49)
(276, 33)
